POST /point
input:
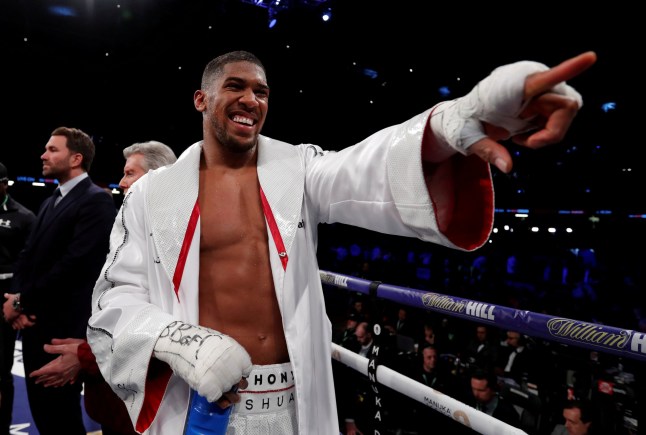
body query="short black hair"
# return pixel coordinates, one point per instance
(585, 408)
(214, 68)
(486, 375)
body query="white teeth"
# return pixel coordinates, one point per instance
(242, 120)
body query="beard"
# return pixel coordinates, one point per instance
(58, 169)
(51, 171)
(231, 143)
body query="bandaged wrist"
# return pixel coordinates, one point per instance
(209, 361)
(451, 130)
(498, 100)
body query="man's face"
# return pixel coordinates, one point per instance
(236, 105)
(363, 336)
(513, 339)
(429, 334)
(481, 333)
(481, 391)
(57, 159)
(573, 422)
(132, 171)
(430, 359)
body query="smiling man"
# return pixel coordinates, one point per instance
(212, 282)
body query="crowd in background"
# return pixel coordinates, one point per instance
(572, 283)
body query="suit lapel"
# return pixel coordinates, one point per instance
(49, 213)
(43, 213)
(73, 195)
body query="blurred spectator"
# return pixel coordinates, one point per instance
(518, 362)
(355, 395)
(578, 416)
(405, 324)
(16, 222)
(482, 350)
(433, 372)
(347, 338)
(484, 387)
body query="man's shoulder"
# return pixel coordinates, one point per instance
(20, 209)
(99, 193)
(505, 411)
(96, 197)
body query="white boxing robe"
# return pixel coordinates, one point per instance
(150, 277)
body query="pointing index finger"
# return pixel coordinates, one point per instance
(541, 82)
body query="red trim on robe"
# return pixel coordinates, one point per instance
(159, 373)
(474, 203)
(157, 378)
(87, 359)
(186, 245)
(275, 232)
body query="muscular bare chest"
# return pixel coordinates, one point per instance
(236, 290)
(230, 210)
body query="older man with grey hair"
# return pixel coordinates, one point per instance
(141, 157)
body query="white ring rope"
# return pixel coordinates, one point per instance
(462, 413)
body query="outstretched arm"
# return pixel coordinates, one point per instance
(524, 101)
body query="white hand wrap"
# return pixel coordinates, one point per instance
(498, 100)
(209, 361)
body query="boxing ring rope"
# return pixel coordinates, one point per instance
(622, 342)
(452, 408)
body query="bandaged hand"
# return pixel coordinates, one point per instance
(526, 101)
(209, 361)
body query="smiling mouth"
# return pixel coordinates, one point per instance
(243, 120)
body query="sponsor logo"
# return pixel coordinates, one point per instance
(453, 305)
(333, 279)
(438, 406)
(574, 330)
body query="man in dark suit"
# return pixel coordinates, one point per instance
(484, 386)
(56, 272)
(518, 361)
(482, 350)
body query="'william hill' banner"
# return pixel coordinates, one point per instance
(602, 338)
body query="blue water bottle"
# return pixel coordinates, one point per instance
(206, 418)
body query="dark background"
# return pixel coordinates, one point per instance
(55, 71)
(125, 72)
